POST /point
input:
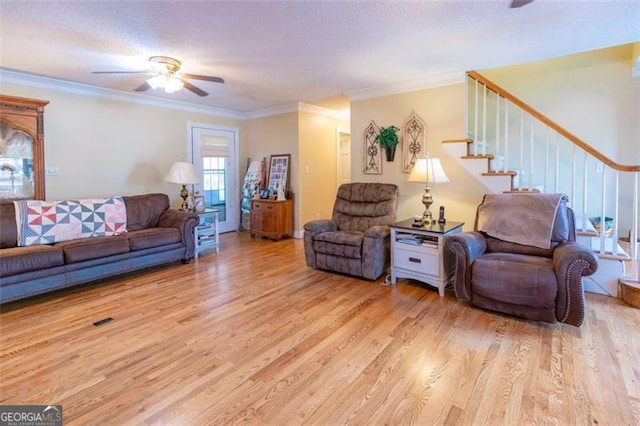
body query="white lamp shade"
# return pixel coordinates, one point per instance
(182, 173)
(428, 170)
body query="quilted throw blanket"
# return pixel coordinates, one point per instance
(519, 218)
(42, 222)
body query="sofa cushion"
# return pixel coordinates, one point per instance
(153, 237)
(18, 260)
(360, 205)
(526, 280)
(143, 211)
(345, 244)
(494, 244)
(93, 248)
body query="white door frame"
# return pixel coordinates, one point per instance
(233, 192)
(341, 131)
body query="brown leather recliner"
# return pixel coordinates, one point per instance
(356, 239)
(533, 282)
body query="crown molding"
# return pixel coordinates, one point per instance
(315, 109)
(275, 110)
(294, 107)
(32, 80)
(428, 82)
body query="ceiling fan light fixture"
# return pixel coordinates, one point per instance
(170, 84)
(173, 85)
(166, 75)
(157, 81)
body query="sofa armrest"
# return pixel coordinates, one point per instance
(571, 262)
(379, 231)
(319, 226)
(376, 251)
(467, 247)
(185, 222)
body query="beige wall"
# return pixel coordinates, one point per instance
(105, 147)
(318, 173)
(592, 94)
(443, 113)
(267, 136)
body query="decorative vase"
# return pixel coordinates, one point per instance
(390, 153)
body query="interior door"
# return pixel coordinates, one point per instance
(343, 162)
(214, 152)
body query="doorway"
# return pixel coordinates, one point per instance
(343, 160)
(214, 152)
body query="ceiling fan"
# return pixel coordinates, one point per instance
(165, 72)
(519, 3)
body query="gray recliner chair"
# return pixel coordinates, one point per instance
(522, 259)
(355, 240)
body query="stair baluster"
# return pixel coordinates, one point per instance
(562, 169)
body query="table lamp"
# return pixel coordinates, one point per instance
(184, 174)
(427, 170)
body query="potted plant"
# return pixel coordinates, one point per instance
(388, 140)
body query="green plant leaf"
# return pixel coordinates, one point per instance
(388, 137)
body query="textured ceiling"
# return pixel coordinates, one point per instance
(273, 53)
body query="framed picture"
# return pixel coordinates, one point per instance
(198, 203)
(279, 172)
(264, 194)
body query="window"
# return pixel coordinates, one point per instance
(214, 184)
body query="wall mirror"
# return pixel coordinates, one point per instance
(21, 148)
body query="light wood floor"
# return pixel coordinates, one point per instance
(253, 335)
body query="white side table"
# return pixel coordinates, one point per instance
(206, 233)
(418, 252)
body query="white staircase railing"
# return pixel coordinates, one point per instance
(547, 158)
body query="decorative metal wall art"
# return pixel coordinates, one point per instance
(413, 143)
(372, 152)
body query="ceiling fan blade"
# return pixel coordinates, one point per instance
(143, 87)
(202, 77)
(194, 89)
(519, 3)
(119, 72)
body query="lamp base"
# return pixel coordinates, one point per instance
(427, 200)
(184, 193)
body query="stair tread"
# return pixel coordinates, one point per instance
(479, 156)
(587, 233)
(507, 173)
(458, 141)
(522, 191)
(629, 281)
(609, 255)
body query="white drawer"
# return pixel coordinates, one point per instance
(419, 259)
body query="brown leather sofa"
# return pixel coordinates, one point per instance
(355, 240)
(542, 284)
(155, 235)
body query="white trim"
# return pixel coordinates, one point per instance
(275, 110)
(314, 109)
(423, 83)
(233, 197)
(32, 80)
(339, 131)
(294, 107)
